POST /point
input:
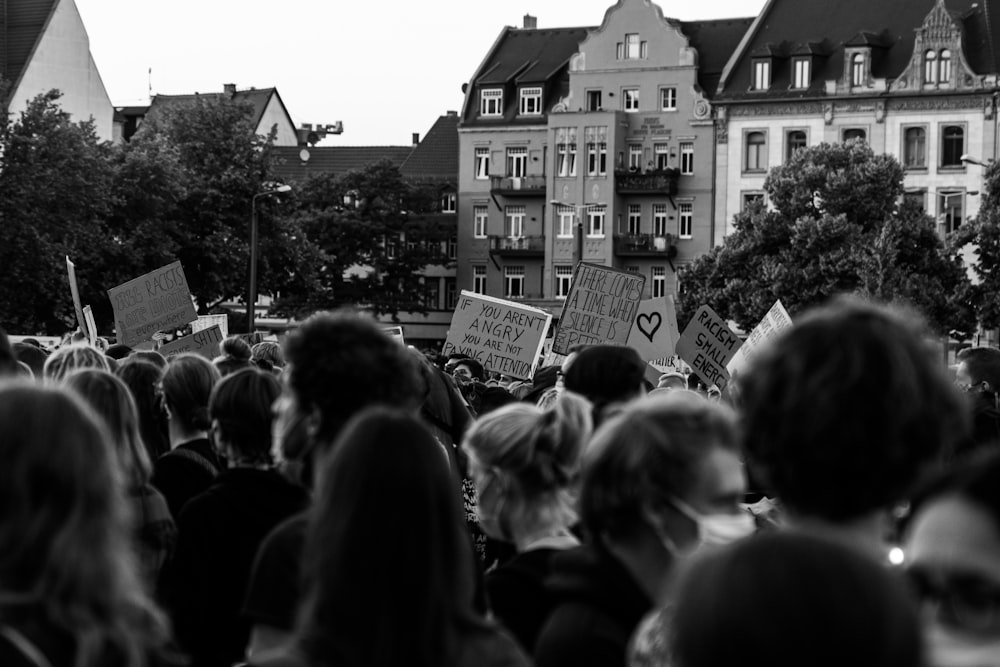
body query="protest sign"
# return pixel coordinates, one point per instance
(395, 333)
(208, 321)
(601, 307)
(91, 330)
(774, 322)
(152, 302)
(204, 342)
(654, 333)
(708, 344)
(74, 289)
(503, 336)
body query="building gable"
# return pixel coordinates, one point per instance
(634, 35)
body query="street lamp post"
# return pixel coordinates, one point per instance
(577, 212)
(252, 295)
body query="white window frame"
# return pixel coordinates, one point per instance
(760, 164)
(661, 156)
(668, 98)
(449, 202)
(761, 74)
(687, 158)
(630, 100)
(658, 282)
(513, 275)
(491, 102)
(531, 101)
(789, 151)
(944, 67)
(858, 67)
(685, 220)
(930, 67)
(801, 73)
(479, 278)
(945, 196)
(572, 158)
(635, 156)
(517, 161)
(482, 163)
(908, 156)
(480, 221)
(597, 158)
(514, 217)
(595, 100)
(634, 219)
(633, 46)
(942, 131)
(596, 221)
(660, 220)
(562, 160)
(567, 219)
(564, 280)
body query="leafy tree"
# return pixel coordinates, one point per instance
(980, 240)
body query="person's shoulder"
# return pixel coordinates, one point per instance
(490, 647)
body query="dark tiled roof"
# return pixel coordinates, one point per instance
(258, 99)
(437, 155)
(333, 159)
(886, 25)
(22, 23)
(715, 41)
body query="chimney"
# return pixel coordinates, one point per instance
(416, 138)
(452, 114)
(229, 89)
(530, 22)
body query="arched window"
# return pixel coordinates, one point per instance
(858, 69)
(915, 147)
(930, 67)
(944, 67)
(756, 157)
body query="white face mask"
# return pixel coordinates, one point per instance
(718, 529)
(949, 648)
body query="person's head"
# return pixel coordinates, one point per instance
(846, 409)
(8, 361)
(666, 468)
(118, 351)
(143, 381)
(493, 398)
(65, 531)
(234, 355)
(571, 355)
(606, 375)
(952, 555)
(69, 358)
(152, 356)
(187, 385)
(673, 380)
(270, 352)
(979, 370)
(33, 355)
(785, 598)
(523, 461)
(240, 407)
(385, 463)
(468, 370)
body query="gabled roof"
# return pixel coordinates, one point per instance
(257, 98)
(333, 159)
(437, 155)
(715, 41)
(22, 23)
(888, 26)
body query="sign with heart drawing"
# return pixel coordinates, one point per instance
(654, 332)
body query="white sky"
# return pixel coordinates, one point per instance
(386, 69)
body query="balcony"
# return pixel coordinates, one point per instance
(518, 186)
(657, 182)
(645, 245)
(517, 246)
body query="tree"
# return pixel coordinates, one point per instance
(980, 238)
(836, 227)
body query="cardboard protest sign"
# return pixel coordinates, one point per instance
(75, 291)
(654, 333)
(155, 301)
(601, 307)
(205, 342)
(503, 336)
(707, 345)
(91, 330)
(208, 321)
(774, 322)
(395, 333)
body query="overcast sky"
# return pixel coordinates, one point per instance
(386, 69)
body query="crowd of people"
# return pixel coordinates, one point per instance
(342, 500)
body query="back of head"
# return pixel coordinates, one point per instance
(846, 409)
(235, 355)
(606, 374)
(69, 358)
(8, 362)
(241, 404)
(744, 605)
(270, 352)
(983, 365)
(187, 385)
(152, 356)
(646, 455)
(32, 355)
(143, 381)
(119, 351)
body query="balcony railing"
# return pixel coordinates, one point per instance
(646, 245)
(656, 182)
(523, 246)
(518, 186)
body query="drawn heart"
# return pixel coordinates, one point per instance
(649, 324)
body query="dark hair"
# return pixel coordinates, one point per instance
(746, 605)
(143, 380)
(8, 362)
(235, 355)
(187, 385)
(341, 363)
(118, 351)
(241, 403)
(385, 463)
(32, 355)
(647, 453)
(605, 374)
(983, 364)
(152, 356)
(846, 409)
(475, 368)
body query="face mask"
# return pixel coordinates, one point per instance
(949, 648)
(718, 529)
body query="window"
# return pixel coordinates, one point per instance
(761, 74)
(595, 222)
(951, 209)
(855, 133)
(449, 201)
(916, 198)
(662, 153)
(391, 246)
(944, 68)
(514, 221)
(567, 217)
(635, 156)
(796, 140)
(632, 48)
(491, 102)
(952, 145)
(632, 269)
(634, 218)
(572, 159)
(517, 162)
(686, 220)
(480, 216)
(531, 101)
(513, 281)
(802, 73)
(687, 158)
(668, 99)
(564, 278)
(915, 148)
(432, 293)
(858, 69)
(751, 199)
(479, 279)
(659, 220)
(930, 67)
(630, 99)
(482, 162)
(597, 159)
(594, 100)
(659, 281)
(756, 152)
(562, 160)
(450, 293)
(453, 247)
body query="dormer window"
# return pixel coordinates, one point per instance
(930, 67)
(632, 48)
(944, 67)
(531, 101)
(801, 73)
(491, 102)
(858, 75)
(761, 74)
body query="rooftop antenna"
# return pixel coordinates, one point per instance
(150, 82)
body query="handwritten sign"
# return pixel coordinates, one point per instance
(655, 333)
(775, 321)
(503, 336)
(75, 292)
(91, 331)
(601, 307)
(208, 321)
(150, 303)
(708, 344)
(205, 342)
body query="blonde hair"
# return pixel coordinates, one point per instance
(69, 358)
